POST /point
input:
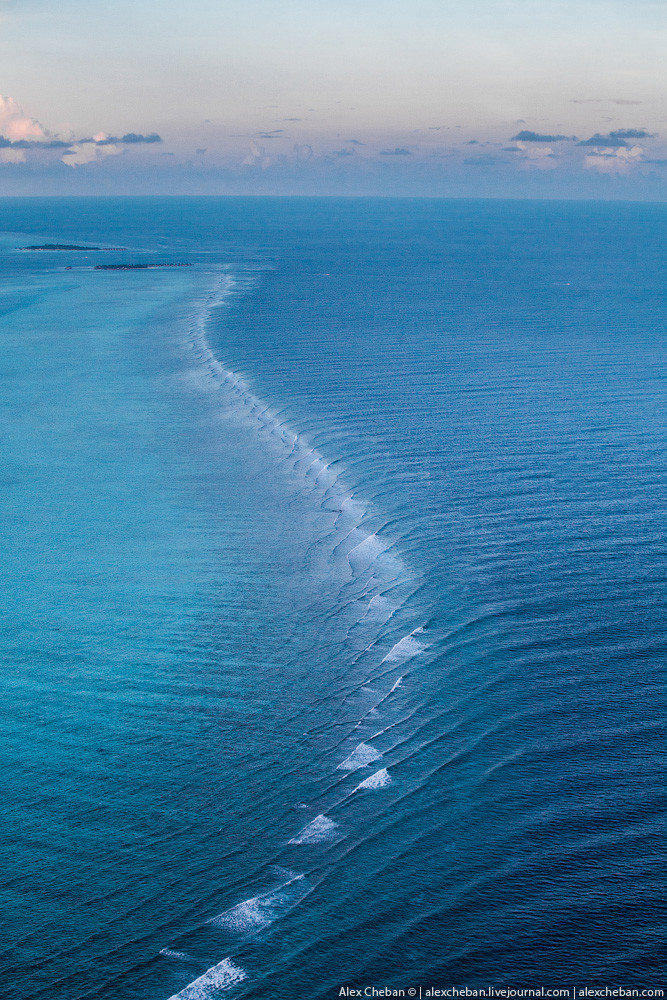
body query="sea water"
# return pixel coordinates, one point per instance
(333, 564)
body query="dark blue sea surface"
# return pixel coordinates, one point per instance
(333, 579)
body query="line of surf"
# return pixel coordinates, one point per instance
(371, 559)
(370, 556)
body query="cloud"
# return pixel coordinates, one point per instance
(355, 142)
(617, 161)
(602, 100)
(616, 139)
(81, 154)
(399, 151)
(254, 155)
(603, 141)
(631, 133)
(14, 124)
(33, 143)
(19, 133)
(535, 157)
(129, 139)
(483, 160)
(527, 136)
(101, 139)
(257, 157)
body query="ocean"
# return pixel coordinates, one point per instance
(333, 586)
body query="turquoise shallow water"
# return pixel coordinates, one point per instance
(333, 579)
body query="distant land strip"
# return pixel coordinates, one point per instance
(134, 267)
(67, 246)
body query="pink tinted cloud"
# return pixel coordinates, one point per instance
(14, 124)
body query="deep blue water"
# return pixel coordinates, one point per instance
(371, 494)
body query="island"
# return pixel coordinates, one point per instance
(135, 267)
(66, 246)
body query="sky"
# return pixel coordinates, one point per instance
(516, 98)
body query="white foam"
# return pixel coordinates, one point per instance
(405, 649)
(253, 914)
(379, 608)
(321, 829)
(360, 757)
(365, 553)
(378, 780)
(250, 915)
(349, 506)
(287, 872)
(216, 980)
(373, 713)
(182, 956)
